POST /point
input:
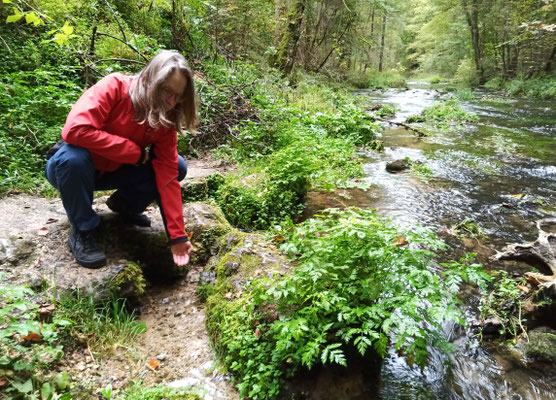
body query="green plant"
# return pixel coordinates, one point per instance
(359, 283)
(443, 115)
(468, 228)
(101, 326)
(139, 392)
(29, 346)
(504, 303)
(35, 106)
(464, 94)
(421, 170)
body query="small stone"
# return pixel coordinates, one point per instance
(162, 356)
(165, 300)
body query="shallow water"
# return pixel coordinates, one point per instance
(501, 173)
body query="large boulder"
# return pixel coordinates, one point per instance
(33, 248)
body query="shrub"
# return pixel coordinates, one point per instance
(359, 282)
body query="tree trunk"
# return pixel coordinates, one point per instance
(548, 66)
(372, 21)
(382, 43)
(472, 15)
(333, 47)
(290, 38)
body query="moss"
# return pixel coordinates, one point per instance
(130, 281)
(194, 191)
(541, 346)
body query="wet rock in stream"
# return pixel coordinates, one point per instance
(398, 165)
(541, 253)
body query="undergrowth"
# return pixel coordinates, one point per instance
(359, 283)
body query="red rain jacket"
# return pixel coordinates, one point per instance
(102, 122)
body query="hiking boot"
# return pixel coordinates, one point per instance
(117, 204)
(86, 249)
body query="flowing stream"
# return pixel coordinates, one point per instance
(501, 173)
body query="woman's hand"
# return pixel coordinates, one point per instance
(181, 253)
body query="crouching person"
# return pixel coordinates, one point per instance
(122, 134)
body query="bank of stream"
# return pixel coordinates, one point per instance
(500, 172)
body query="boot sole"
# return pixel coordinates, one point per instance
(87, 264)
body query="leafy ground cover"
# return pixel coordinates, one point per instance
(359, 283)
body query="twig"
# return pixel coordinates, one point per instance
(6, 44)
(126, 43)
(121, 59)
(117, 19)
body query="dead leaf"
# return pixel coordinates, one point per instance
(238, 294)
(152, 364)
(523, 288)
(517, 195)
(33, 337)
(45, 309)
(258, 333)
(37, 263)
(278, 239)
(43, 231)
(258, 272)
(229, 295)
(3, 381)
(51, 220)
(190, 235)
(400, 241)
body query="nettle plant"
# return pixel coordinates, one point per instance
(359, 284)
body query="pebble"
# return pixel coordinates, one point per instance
(165, 300)
(162, 356)
(184, 382)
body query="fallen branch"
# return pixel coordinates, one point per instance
(402, 124)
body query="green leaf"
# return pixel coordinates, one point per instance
(47, 390)
(67, 28)
(32, 18)
(7, 2)
(25, 387)
(16, 17)
(62, 380)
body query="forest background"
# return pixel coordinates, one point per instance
(51, 50)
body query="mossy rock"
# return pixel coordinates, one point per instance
(194, 190)
(541, 345)
(207, 224)
(249, 258)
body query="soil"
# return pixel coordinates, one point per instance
(173, 313)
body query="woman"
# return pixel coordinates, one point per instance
(107, 135)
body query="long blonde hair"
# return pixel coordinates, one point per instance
(146, 94)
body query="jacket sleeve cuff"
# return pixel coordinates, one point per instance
(181, 239)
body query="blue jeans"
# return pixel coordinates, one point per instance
(72, 172)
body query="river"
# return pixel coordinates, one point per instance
(499, 172)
